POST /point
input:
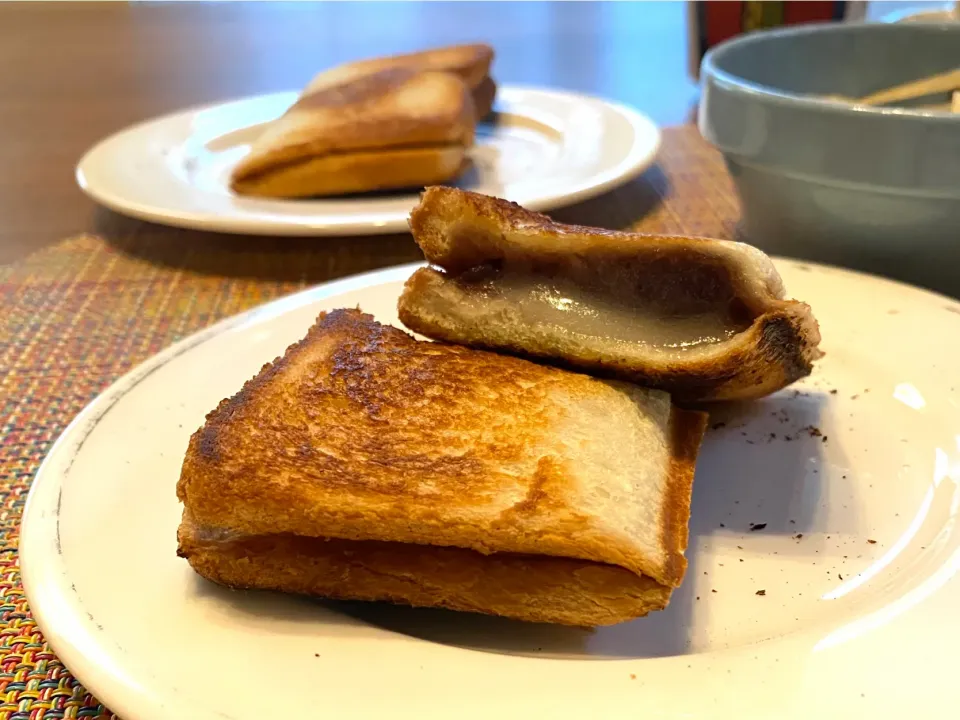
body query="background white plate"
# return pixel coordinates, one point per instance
(546, 149)
(847, 627)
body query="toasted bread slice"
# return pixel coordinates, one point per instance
(535, 588)
(701, 319)
(358, 172)
(470, 62)
(484, 95)
(386, 112)
(360, 432)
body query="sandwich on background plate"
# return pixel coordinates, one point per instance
(701, 319)
(367, 465)
(471, 63)
(378, 124)
(350, 133)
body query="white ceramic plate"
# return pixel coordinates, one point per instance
(859, 616)
(546, 149)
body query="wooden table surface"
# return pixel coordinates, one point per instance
(71, 73)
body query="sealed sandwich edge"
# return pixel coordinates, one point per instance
(687, 428)
(528, 588)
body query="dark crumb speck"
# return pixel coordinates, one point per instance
(722, 525)
(761, 592)
(793, 522)
(750, 442)
(812, 431)
(698, 597)
(854, 397)
(717, 426)
(739, 547)
(798, 536)
(872, 542)
(713, 591)
(316, 654)
(824, 438)
(741, 559)
(757, 526)
(840, 576)
(833, 392)
(773, 436)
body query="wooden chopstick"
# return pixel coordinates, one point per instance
(943, 82)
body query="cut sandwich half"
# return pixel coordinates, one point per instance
(367, 465)
(354, 131)
(702, 319)
(470, 62)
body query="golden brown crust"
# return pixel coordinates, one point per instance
(470, 62)
(459, 231)
(357, 172)
(532, 588)
(361, 432)
(687, 428)
(365, 112)
(484, 95)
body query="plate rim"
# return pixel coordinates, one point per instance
(70, 635)
(636, 161)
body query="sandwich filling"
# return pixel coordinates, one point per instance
(668, 304)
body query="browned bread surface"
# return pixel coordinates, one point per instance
(470, 62)
(461, 231)
(533, 588)
(361, 432)
(484, 95)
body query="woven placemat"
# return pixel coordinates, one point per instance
(79, 314)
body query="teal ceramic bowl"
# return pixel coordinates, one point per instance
(876, 189)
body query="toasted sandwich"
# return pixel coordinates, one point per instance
(701, 319)
(470, 62)
(355, 131)
(367, 465)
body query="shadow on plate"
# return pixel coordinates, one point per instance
(762, 463)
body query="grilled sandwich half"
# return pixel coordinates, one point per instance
(367, 465)
(702, 319)
(357, 130)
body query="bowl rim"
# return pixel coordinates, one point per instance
(735, 83)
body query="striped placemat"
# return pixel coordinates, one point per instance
(77, 315)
